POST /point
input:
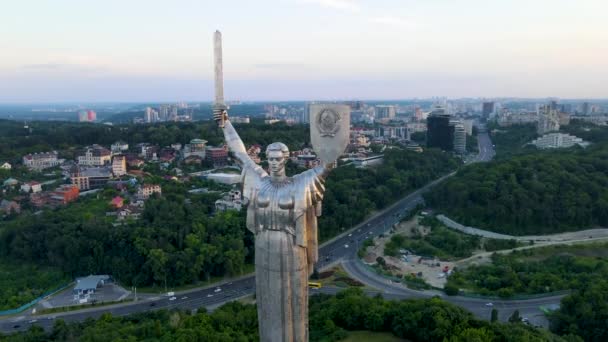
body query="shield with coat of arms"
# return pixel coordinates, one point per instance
(329, 130)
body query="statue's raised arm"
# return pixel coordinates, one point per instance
(234, 142)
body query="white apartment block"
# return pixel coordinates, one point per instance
(41, 161)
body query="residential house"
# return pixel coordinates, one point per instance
(6, 166)
(64, 194)
(117, 202)
(95, 156)
(119, 166)
(167, 155)
(8, 207)
(90, 178)
(145, 191)
(196, 147)
(217, 155)
(119, 147)
(189, 160)
(10, 183)
(230, 201)
(32, 186)
(41, 161)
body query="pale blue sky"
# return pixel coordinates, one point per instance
(135, 50)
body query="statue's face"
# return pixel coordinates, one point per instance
(276, 162)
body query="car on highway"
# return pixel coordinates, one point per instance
(173, 298)
(184, 298)
(350, 234)
(16, 326)
(489, 304)
(209, 295)
(345, 246)
(33, 321)
(152, 304)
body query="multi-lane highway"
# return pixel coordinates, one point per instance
(340, 249)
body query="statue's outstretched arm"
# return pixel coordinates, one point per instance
(234, 142)
(323, 170)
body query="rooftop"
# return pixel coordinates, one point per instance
(90, 282)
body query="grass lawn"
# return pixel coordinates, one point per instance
(368, 336)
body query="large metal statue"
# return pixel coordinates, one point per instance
(282, 213)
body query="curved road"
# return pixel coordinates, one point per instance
(341, 249)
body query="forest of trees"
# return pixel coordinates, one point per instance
(352, 193)
(533, 271)
(179, 240)
(584, 312)
(331, 319)
(66, 137)
(21, 283)
(177, 235)
(538, 193)
(512, 140)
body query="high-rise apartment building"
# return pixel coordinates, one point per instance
(460, 137)
(385, 112)
(440, 134)
(487, 109)
(548, 120)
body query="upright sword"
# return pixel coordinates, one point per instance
(219, 106)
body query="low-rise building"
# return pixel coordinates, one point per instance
(558, 140)
(10, 183)
(196, 147)
(240, 119)
(32, 186)
(41, 161)
(117, 202)
(95, 156)
(88, 285)
(8, 207)
(145, 191)
(119, 147)
(230, 201)
(90, 178)
(119, 165)
(134, 161)
(196, 160)
(64, 194)
(217, 155)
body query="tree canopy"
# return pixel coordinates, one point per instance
(540, 193)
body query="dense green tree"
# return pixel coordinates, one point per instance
(584, 312)
(539, 193)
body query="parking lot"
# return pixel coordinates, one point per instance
(107, 293)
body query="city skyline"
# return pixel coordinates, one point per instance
(303, 50)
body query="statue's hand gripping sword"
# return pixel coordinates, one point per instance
(220, 110)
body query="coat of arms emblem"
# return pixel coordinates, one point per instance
(329, 130)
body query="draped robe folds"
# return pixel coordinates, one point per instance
(283, 217)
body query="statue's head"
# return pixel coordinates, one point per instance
(277, 154)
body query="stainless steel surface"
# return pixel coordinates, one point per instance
(329, 130)
(282, 213)
(219, 106)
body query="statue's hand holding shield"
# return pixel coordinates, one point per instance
(329, 130)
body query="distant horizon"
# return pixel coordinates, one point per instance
(387, 100)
